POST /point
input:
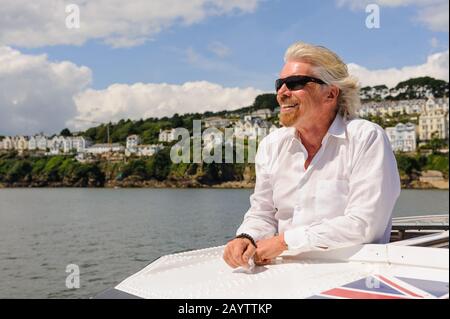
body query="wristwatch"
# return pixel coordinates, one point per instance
(244, 235)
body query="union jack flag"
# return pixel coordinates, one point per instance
(387, 287)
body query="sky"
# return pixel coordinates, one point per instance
(139, 58)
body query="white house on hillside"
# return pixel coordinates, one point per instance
(80, 143)
(434, 121)
(56, 145)
(167, 135)
(217, 122)
(402, 137)
(9, 143)
(262, 113)
(22, 143)
(252, 127)
(133, 147)
(132, 143)
(148, 149)
(38, 142)
(65, 144)
(105, 148)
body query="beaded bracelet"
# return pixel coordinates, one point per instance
(244, 235)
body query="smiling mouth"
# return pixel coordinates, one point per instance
(288, 107)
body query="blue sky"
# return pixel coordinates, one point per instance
(256, 43)
(216, 54)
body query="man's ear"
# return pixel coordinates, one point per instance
(333, 92)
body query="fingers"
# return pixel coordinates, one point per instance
(227, 256)
(260, 259)
(249, 252)
(235, 250)
(262, 262)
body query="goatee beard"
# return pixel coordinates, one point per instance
(290, 118)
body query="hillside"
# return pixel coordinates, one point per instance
(416, 88)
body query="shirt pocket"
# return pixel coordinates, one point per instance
(331, 198)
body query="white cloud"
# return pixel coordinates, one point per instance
(143, 100)
(41, 95)
(36, 94)
(432, 13)
(118, 23)
(436, 66)
(219, 49)
(436, 16)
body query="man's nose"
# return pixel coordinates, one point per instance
(284, 91)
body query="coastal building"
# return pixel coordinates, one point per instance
(412, 106)
(37, 142)
(148, 149)
(22, 143)
(67, 145)
(56, 145)
(433, 120)
(402, 137)
(32, 143)
(390, 108)
(105, 148)
(64, 144)
(132, 143)
(166, 135)
(42, 142)
(252, 127)
(133, 147)
(80, 143)
(217, 122)
(8, 143)
(262, 113)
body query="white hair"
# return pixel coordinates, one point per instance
(332, 70)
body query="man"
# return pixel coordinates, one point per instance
(326, 179)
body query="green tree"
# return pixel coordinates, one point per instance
(436, 144)
(176, 121)
(135, 168)
(265, 101)
(159, 165)
(18, 171)
(407, 164)
(65, 132)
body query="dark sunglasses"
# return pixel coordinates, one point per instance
(296, 82)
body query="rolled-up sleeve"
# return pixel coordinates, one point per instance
(259, 221)
(374, 186)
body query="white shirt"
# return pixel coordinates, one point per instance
(344, 197)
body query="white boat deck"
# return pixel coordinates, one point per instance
(434, 221)
(367, 271)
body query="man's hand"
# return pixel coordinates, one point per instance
(238, 252)
(269, 248)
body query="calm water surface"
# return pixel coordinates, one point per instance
(112, 233)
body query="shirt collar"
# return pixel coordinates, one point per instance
(337, 128)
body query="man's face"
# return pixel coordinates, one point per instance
(301, 106)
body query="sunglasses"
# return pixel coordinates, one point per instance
(296, 82)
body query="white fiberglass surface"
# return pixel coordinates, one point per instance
(204, 274)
